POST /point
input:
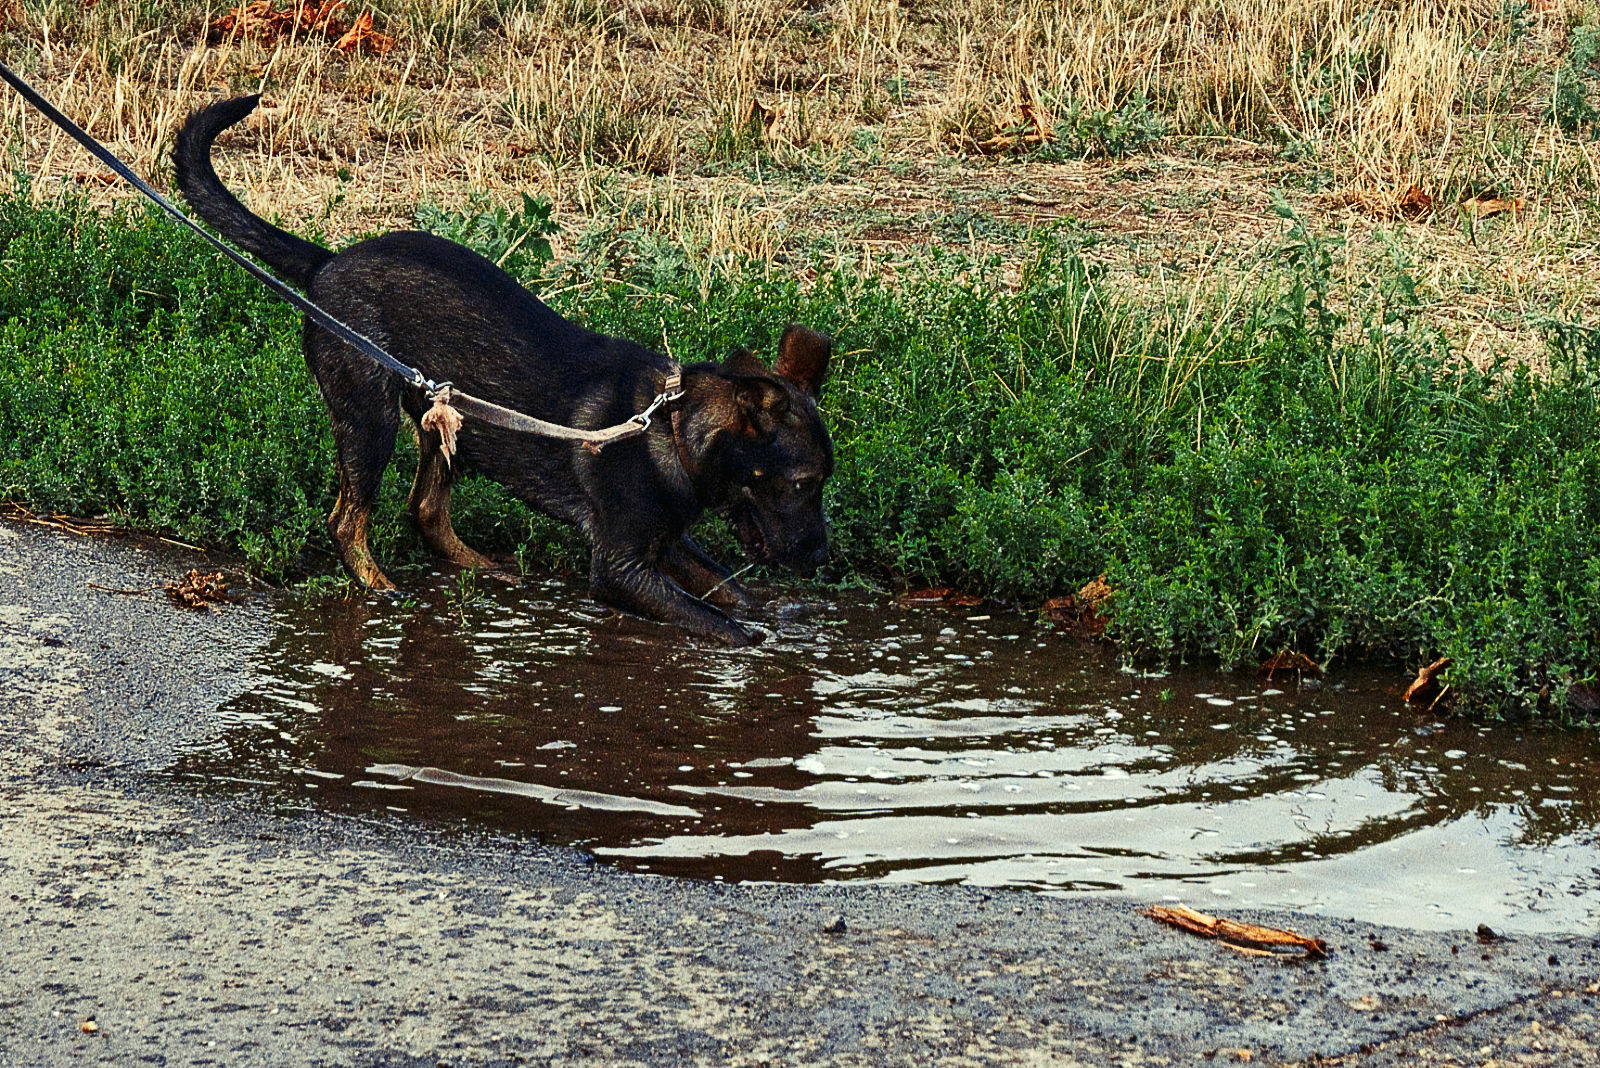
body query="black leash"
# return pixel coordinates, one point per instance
(444, 397)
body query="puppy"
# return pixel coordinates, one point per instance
(742, 439)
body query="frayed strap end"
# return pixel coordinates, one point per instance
(445, 419)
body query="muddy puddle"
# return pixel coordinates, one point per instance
(868, 741)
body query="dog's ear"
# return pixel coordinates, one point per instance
(736, 406)
(803, 357)
(741, 361)
(757, 395)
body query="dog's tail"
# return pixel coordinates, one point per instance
(295, 258)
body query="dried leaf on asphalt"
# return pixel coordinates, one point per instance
(1426, 684)
(198, 591)
(1246, 936)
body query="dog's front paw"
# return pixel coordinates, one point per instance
(743, 637)
(729, 595)
(729, 633)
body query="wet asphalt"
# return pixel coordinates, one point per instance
(147, 922)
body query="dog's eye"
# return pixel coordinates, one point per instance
(802, 485)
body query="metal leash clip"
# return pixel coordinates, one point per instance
(671, 391)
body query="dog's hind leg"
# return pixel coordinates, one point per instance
(363, 404)
(430, 505)
(351, 518)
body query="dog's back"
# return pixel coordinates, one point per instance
(456, 317)
(478, 327)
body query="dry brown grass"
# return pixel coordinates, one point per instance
(863, 127)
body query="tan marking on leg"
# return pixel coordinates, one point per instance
(348, 525)
(430, 507)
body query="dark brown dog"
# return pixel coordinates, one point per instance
(742, 439)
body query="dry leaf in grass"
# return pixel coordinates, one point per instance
(1483, 207)
(198, 591)
(1246, 936)
(1426, 684)
(1030, 132)
(246, 20)
(509, 148)
(1415, 202)
(257, 20)
(361, 35)
(768, 117)
(1041, 129)
(260, 21)
(318, 17)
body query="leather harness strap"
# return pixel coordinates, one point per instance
(673, 387)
